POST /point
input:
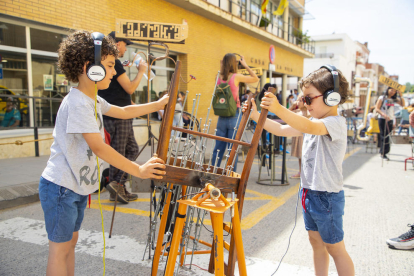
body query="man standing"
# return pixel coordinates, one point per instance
(121, 131)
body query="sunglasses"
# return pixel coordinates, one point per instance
(308, 100)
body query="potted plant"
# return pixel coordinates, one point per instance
(264, 22)
(301, 37)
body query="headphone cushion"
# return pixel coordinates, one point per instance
(332, 98)
(96, 72)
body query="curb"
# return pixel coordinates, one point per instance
(16, 195)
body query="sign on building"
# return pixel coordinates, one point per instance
(257, 71)
(151, 31)
(392, 83)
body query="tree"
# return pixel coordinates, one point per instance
(407, 87)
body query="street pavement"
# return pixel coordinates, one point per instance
(378, 206)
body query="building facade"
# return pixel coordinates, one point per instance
(30, 33)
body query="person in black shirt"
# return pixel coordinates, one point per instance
(121, 131)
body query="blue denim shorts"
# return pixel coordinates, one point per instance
(324, 213)
(63, 209)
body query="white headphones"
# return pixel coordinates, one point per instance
(332, 97)
(96, 72)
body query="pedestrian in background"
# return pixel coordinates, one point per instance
(385, 108)
(266, 88)
(245, 96)
(12, 116)
(289, 101)
(226, 125)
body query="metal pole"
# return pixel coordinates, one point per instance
(36, 136)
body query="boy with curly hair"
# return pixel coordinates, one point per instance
(71, 173)
(324, 147)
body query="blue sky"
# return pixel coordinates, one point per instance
(387, 26)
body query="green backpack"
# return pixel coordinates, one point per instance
(224, 104)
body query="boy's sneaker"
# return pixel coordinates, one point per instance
(405, 241)
(112, 188)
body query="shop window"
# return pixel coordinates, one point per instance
(13, 84)
(12, 35)
(44, 40)
(47, 80)
(14, 72)
(46, 111)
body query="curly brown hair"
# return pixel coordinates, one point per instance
(78, 49)
(322, 80)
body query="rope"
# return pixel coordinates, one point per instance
(20, 143)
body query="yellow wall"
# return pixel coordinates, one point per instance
(207, 41)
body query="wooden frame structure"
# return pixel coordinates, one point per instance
(186, 176)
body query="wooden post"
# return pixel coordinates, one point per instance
(167, 120)
(243, 183)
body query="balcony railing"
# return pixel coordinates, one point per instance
(275, 25)
(325, 55)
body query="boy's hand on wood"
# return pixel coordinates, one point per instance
(152, 169)
(163, 101)
(255, 114)
(270, 102)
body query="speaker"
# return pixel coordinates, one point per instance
(96, 72)
(332, 97)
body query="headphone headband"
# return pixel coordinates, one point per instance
(97, 41)
(332, 97)
(334, 74)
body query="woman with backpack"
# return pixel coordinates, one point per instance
(226, 124)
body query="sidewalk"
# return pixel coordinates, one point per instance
(20, 177)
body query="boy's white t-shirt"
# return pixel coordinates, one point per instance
(322, 157)
(72, 164)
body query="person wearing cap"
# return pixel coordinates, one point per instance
(121, 131)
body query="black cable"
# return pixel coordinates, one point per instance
(290, 236)
(206, 228)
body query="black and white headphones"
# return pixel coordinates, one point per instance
(96, 72)
(332, 97)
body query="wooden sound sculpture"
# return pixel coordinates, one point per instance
(187, 175)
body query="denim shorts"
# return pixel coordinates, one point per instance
(63, 209)
(324, 213)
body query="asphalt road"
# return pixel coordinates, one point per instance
(378, 206)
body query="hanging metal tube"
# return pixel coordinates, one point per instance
(358, 79)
